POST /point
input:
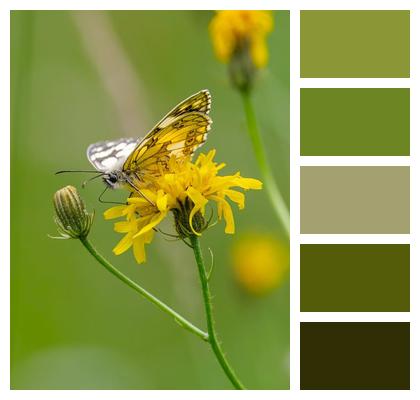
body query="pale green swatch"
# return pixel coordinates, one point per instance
(355, 199)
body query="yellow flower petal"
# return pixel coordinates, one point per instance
(139, 250)
(148, 236)
(161, 201)
(139, 246)
(155, 220)
(218, 200)
(228, 217)
(259, 52)
(199, 203)
(247, 183)
(115, 212)
(124, 244)
(237, 197)
(197, 198)
(138, 201)
(124, 226)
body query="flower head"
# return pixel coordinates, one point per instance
(186, 189)
(71, 217)
(239, 38)
(260, 263)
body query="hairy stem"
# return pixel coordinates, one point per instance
(214, 342)
(144, 293)
(273, 191)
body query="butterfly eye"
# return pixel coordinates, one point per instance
(113, 179)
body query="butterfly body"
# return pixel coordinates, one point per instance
(129, 162)
(115, 179)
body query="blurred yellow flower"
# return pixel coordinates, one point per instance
(234, 31)
(260, 263)
(185, 189)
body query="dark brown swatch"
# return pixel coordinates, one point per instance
(355, 355)
(354, 277)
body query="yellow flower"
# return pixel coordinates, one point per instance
(260, 263)
(185, 189)
(233, 31)
(138, 227)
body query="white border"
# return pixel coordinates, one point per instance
(5, 204)
(294, 6)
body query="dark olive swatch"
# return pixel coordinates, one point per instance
(354, 277)
(355, 122)
(355, 355)
(355, 44)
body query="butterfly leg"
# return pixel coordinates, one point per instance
(137, 190)
(101, 200)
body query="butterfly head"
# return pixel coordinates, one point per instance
(113, 179)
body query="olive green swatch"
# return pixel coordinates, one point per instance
(355, 122)
(355, 355)
(355, 44)
(355, 199)
(354, 277)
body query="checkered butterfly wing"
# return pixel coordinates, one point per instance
(109, 155)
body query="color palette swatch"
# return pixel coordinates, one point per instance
(355, 199)
(355, 44)
(354, 191)
(355, 277)
(355, 122)
(355, 355)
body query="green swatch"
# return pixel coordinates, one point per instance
(355, 199)
(355, 122)
(355, 44)
(355, 355)
(354, 277)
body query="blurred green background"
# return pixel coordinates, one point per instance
(82, 77)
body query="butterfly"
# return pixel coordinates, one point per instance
(129, 162)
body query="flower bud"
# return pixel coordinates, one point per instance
(241, 67)
(71, 216)
(182, 220)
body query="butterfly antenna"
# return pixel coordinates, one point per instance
(76, 170)
(91, 179)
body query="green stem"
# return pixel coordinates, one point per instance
(144, 293)
(214, 342)
(273, 191)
